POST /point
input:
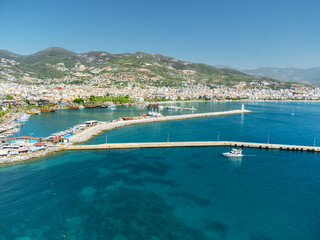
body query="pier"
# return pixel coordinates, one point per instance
(106, 126)
(194, 144)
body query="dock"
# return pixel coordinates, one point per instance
(107, 126)
(194, 144)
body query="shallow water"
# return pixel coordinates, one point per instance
(178, 193)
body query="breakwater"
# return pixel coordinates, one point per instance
(194, 144)
(105, 126)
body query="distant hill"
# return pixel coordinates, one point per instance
(59, 65)
(302, 75)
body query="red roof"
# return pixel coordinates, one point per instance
(40, 144)
(21, 137)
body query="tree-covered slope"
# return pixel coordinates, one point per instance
(60, 65)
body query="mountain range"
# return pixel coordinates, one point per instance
(58, 65)
(303, 75)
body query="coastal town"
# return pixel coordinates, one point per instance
(94, 81)
(62, 93)
(19, 101)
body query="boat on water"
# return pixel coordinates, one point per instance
(154, 114)
(292, 113)
(47, 109)
(23, 118)
(233, 153)
(104, 105)
(33, 112)
(173, 108)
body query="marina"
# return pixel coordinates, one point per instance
(84, 132)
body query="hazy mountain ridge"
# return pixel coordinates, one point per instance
(97, 67)
(303, 75)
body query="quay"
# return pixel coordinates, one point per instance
(193, 144)
(106, 126)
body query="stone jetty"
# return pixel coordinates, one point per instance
(106, 126)
(194, 144)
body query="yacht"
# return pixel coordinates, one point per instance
(171, 107)
(154, 114)
(233, 153)
(24, 118)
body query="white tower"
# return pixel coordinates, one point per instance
(242, 107)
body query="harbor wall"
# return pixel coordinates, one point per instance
(104, 126)
(194, 144)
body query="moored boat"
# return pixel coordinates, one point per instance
(33, 112)
(47, 109)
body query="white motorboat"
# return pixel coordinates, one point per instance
(154, 114)
(292, 113)
(233, 153)
(171, 107)
(24, 118)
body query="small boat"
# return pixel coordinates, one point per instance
(23, 118)
(33, 113)
(292, 113)
(47, 109)
(171, 108)
(233, 153)
(104, 105)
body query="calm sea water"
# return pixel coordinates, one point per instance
(181, 193)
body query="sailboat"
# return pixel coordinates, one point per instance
(292, 113)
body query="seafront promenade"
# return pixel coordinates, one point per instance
(193, 144)
(106, 126)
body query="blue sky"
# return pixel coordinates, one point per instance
(238, 33)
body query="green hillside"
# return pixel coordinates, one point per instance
(60, 65)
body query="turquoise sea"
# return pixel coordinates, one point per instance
(180, 193)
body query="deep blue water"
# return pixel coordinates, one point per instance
(180, 193)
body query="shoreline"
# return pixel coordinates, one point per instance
(29, 156)
(240, 100)
(89, 133)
